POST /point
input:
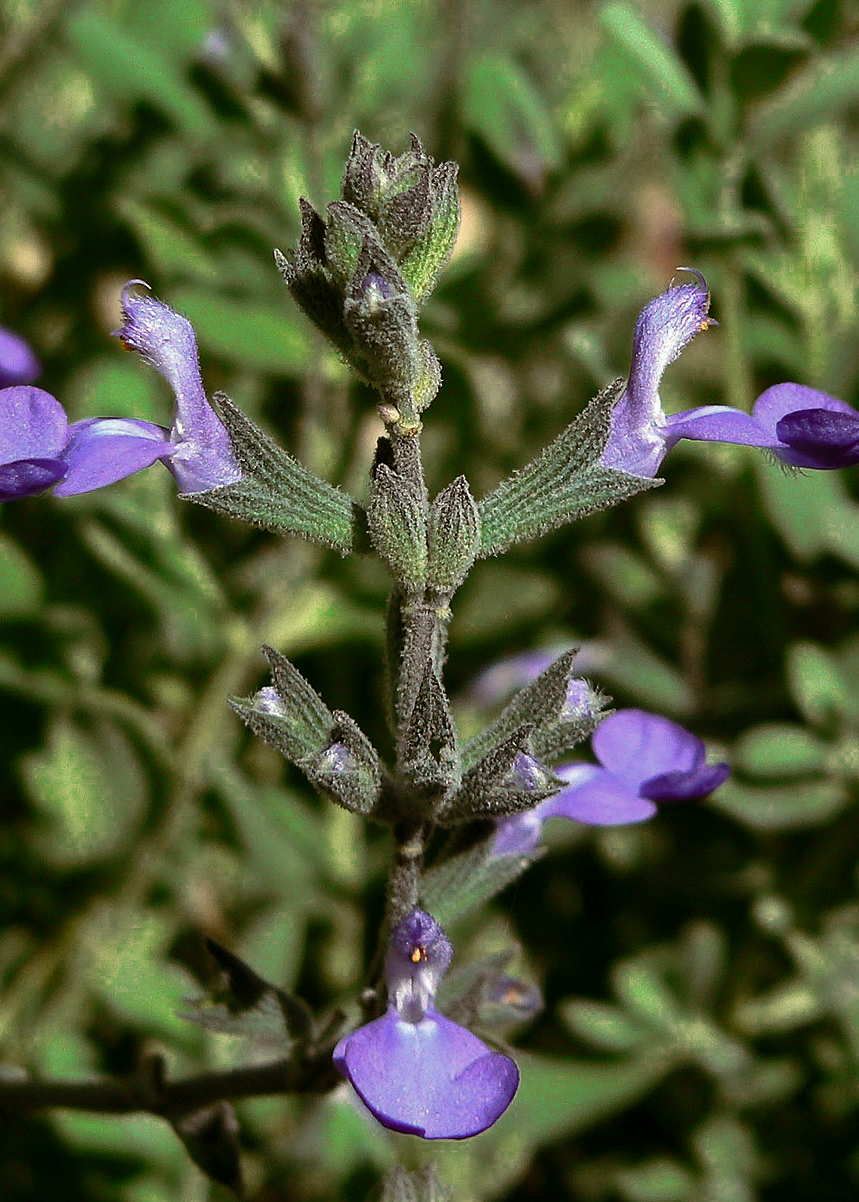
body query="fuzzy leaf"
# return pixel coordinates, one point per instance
(561, 485)
(469, 879)
(277, 492)
(562, 709)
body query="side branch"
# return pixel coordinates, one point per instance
(149, 1092)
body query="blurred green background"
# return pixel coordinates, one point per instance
(700, 1041)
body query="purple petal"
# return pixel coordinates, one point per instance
(785, 400)
(596, 797)
(664, 327)
(636, 746)
(780, 400)
(33, 424)
(418, 956)
(434, 1078)
(830, 439)
(102, 450)
(509, 675)
(685, 786)
(718, 423)
(519, 834)
(203, 458)
(18, 364)
(26, 477)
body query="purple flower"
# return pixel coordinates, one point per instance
(643, 759)
(417, 1071)
(197, 448)
(799, 425)
(18, 364)
(33, 431)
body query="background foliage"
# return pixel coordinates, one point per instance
(701, 1033)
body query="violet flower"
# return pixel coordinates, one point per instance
(33, 432)
(197, 448)
(799, 425)
(18, 364)
(644, 759)
(417, 1071)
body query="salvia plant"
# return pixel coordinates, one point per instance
(421, 1042)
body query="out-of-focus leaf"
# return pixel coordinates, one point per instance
(807, 510)
(650, 680)
(659, 1180)
(623, 574)
(127, 69)
(771, 23)
(91, 789)
(179, 30)
(783, 1009)
(20, 582)
(246, 332)
(780, 808)
(822, 91)
(558, 1098)
(662, 75)
(132, 978)
(53, 112)
(603, 1025)
(780, 749)
(283, 838)
(502, 105)
(818, 685)
(500, 597)
(115, 385)
(173, 250)
(645, 994)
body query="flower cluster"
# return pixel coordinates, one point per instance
(38, 447)
(644, 760)
(417, 1071)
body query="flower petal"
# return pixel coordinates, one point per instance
(717, 423)
(685, 786)
(18, 364)
(33, 424)
(26, 477)
(433, 1078)
(827, 438)
(520, 833)
(596, 797)
(664, 327)
(418, 956)
(102, 450)
(203, 458)
(780, 400)
(636, 746)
